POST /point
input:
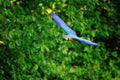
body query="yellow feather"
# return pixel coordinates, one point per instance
(71, 39)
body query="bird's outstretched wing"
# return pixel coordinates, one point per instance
(62, 24)
(84, 40)
(87, 42)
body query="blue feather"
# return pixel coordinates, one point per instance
(83, 40)
(62, 24)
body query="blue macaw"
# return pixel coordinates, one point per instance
(70, 34)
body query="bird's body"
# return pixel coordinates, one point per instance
(70, 34)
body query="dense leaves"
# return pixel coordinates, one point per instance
(31, 46)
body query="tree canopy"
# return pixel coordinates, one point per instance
(31, 45)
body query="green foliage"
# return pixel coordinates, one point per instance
(33, 48)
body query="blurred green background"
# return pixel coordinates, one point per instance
(31, 45)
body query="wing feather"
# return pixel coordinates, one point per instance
(84, 40)
(62, 24)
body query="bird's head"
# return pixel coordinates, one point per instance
(68, 38)
(65, 38)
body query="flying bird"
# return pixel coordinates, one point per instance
(70, 34)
